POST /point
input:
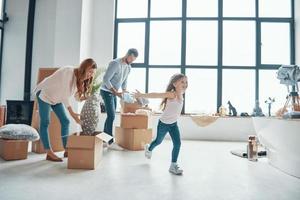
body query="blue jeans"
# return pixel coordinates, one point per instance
(162, 130)
(44, 111)
(110, 102)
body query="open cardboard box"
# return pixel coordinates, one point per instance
(13, 149)
(131, 107)
(85, 152)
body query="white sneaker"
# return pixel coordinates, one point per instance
(116, 147)
(148, 153)
(174, 169)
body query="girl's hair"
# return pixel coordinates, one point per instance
(171, 88)
(84, 86)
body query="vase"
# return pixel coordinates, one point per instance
(90, 114)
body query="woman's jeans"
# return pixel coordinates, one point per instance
(44, 112)
(162, 130)
(110, 102)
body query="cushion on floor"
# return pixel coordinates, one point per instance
(18, 132)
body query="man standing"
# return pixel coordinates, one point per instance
(115, 77)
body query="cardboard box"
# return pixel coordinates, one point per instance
(85, 152)
(13, 149)
(38, 147)
(54, 134)
(54, 126)
(131, 107)
(2, 115)
(133, 139)
(135, 121)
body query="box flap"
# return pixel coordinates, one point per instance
(104, 136)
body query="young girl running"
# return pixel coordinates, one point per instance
(171, 105)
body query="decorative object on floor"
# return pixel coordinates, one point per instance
(203, 121)
(239, 152)
(269, 101)
(232, 110)
(222, 111)
(243, 154)
(19, 112)
(257, 111)
(289, 75)
(252, 148)
(19, 132)
(90, 112)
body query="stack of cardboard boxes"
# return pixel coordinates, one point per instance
(135, 129)
(11, 149)
(54, 126)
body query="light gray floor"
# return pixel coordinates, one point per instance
(210, 172)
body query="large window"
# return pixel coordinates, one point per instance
(202, 43)
(165, 43)
(201, 96)
(238, 43)
(238, 88)
(158, 81)
(131, 35)
(229, 49)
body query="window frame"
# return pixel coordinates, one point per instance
(183, 66)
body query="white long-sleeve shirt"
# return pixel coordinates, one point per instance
(58, 87)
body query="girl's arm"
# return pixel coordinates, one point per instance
(170, 95)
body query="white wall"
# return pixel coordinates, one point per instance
(14, 45)
(297, 30)
(97, 30)
(65, 32)
(44, 37)
(56, 35)
(103, 32)
(86, 29)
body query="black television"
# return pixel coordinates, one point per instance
(19, 112)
